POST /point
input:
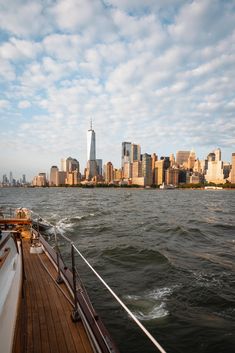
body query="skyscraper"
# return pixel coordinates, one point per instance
(108, 172)
(126, 153)
(182, 157)
(135, 153)
(11, 178)
(215, 172)
(191, 160)
(91, 154)
(99, 164)
(54, 175)
(232, 175)
(147, 169)
(69, 164)
(160, 167)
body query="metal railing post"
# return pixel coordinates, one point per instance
(59, 279)
(75, 314)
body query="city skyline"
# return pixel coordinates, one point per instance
(160, 73)
(131, 156)
(125, 155)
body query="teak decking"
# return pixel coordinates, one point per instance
(44, 324)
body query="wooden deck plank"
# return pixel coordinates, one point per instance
(42, 310)
(57, 340)
(75, 330)
(64, 326)
(49, 327)
(78, 333)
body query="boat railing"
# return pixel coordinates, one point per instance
(75, 313)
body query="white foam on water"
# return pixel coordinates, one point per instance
(150, 305)
(158, 311)
(160, 293)
(63, 226)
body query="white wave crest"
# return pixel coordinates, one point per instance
(150, 305)
(158, 311)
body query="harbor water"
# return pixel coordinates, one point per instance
(168, 254)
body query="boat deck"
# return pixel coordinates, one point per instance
(44, 324)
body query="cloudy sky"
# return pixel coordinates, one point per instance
(160, 73)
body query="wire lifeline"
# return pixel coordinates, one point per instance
(148, 334)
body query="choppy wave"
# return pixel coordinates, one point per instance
(150, 305)
(134, 255)
(224, 226)
(69, 223)
(158, 311)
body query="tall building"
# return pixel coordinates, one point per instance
(117, 175)
(126, 153)
(91, 154)
(172, 176)
(147, 169)
(197, 166)
(182, 157)
(72, 165)
(135, 153)
(137, 169)
(54, 175)
(232, 173)
(191, 160)
(91, 150)
(73, 178)
(154, 159)
(69, 164)
(108, 172)
(63, 166)
(11, 178)
(61, 178)
(215, 173)
(127, 170)
(217, 153)
(99, 164)
(40, 180)
(4, 179)
(172, 159)
(160, 167)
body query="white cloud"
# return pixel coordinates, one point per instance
(24, 104)
(64, 46)
(23, 18)
(4, 103)
(16, 49)
(202, 21)
(7, 71)
(74, 14)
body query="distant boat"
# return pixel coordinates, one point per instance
(213, 188)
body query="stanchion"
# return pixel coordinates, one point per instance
(75, 314)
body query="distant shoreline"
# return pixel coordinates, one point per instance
(116, 187)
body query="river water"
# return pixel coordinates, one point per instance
(168, 254)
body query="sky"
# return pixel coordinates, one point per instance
(159, 73)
